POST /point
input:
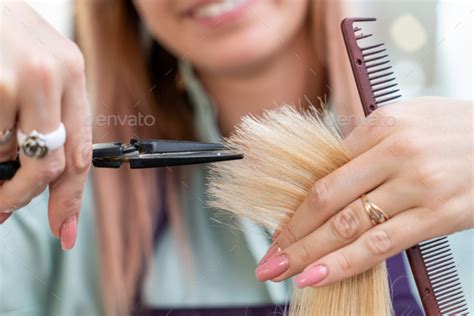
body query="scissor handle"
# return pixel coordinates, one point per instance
(8, 169)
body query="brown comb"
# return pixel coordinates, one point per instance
(431, 262)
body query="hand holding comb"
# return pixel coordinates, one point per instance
(431, 262)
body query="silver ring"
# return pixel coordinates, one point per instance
(37, 145)
(6, 135)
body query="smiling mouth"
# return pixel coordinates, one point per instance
(216, 9)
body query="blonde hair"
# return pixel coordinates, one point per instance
(285, 152)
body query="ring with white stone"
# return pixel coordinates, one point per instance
(5, 136)
(37, 145)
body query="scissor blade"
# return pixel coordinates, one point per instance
(174, 146)
(182, 158)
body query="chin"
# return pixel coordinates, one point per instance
(237, 52)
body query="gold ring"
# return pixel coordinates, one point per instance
(376, 214)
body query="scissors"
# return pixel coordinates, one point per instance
(139, 153)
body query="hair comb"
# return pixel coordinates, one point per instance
(431, 262)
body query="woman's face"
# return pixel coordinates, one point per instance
(223, 35)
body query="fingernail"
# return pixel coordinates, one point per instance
(311, 276)
(272, 268)
(274, 248)
(68, 233)
(4, 217)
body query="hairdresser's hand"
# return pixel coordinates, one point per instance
(41, 85)
(415, 160)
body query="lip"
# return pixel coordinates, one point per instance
(220, 19)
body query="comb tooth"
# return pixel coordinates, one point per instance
(447, 296)
(374, 52)
(362, 36)
(378, 64)
(443, 297)
(434, 260)
(357, 29)
(382, 94)
(443, 282)
(433, 241)
(381, 76)
(447, 286)
(447, 289)
(439, 268)
(430, 241)
(435, 248)
(448, 309)
(442, 272)
(375, 58)
(451, 302)
(378, 70)
(385, 87)
(381, 82)
(389, 99)
(435, 252)
(439, 265)
(448, 299)
(372, 46)
(463, 312)
(456, 311)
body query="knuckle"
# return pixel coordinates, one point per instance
(318, 194)
(344, 263)
(287, 236)
(53, 169)
(428, 175)
(303, 254)
(379, 242)
(83, 158)
(43, 69)
(345, 224)
(74, 61)
(6, 90)
(403, 146)
(73, 202)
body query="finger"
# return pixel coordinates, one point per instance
(38, 110)
(330, 194)
(7, 118)
(372, 130)
(66, 192)
(347, 225)
(373, 247)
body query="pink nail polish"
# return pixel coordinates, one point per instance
(68, 233)
(274, 249)
(272, 268)
(311, 276)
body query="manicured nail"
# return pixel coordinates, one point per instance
(274, 249)
(4, 217)
(68, 233)
(311, 276)
(272, 268)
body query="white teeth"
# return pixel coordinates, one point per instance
(217, 8)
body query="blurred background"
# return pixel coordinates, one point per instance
(430, 43)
